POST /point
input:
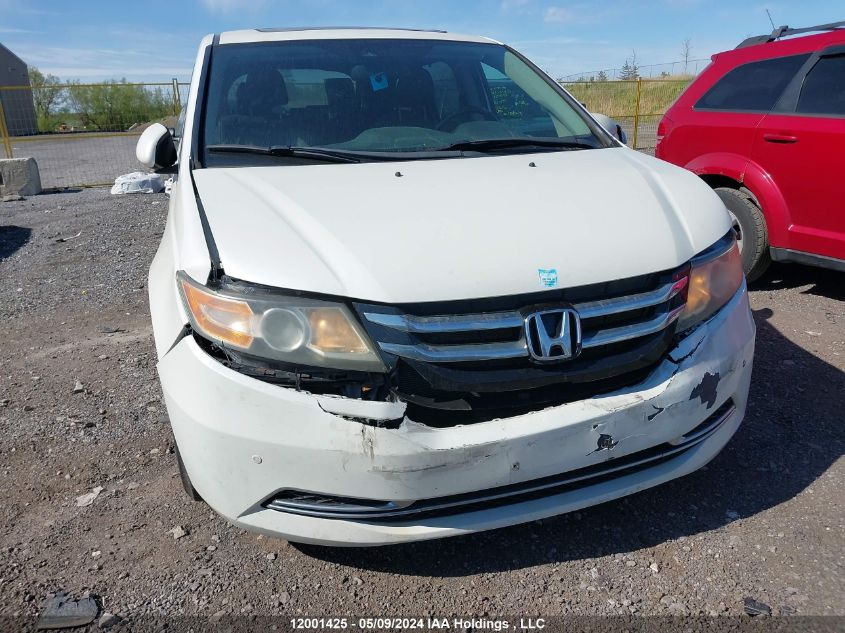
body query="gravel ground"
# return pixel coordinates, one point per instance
(81, 409)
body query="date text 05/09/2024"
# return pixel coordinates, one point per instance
(431, 623)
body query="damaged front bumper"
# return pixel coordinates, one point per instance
(303, 467)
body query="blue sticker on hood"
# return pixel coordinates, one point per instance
(548, 277)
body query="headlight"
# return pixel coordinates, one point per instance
(715, 277)
(290, 329)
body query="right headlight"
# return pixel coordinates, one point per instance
(715, 276)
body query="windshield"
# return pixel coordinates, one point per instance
(380, 96)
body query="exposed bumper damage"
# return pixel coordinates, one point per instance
(263, 439)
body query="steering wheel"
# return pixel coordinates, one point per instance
(464, 115)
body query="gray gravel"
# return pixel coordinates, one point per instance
(81, 408)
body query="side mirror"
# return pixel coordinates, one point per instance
(156, 149)
(611, 126)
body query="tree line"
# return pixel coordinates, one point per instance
(112, 106)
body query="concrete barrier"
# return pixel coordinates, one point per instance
(19, 177)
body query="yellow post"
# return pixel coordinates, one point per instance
(177, 98)
(4, 132)
(637, 112)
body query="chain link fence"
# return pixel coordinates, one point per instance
(667, 70)
(636, 105)
(84, 135)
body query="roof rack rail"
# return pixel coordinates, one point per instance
(784, 31)
(344, 28)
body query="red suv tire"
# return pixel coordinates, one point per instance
(750, 227)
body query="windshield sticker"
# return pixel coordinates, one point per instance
(378, 81)
(548, 277)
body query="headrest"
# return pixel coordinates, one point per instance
(263, 89)
(415, 85)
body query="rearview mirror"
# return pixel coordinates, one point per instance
(156, 149)
(611, 127)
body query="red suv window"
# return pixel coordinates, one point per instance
(824, 88)
(752, 87)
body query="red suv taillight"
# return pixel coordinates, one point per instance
(663, 128)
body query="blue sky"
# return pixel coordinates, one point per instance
(155, 40)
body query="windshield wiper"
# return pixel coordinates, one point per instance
(313, 153)
(515, 142)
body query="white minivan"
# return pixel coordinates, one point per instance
(409, 288)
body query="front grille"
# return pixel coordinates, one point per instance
(330, 507)
(604, 322)
(468, 361)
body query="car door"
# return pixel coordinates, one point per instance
(801, 145)
(725, 117)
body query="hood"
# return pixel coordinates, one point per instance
(458, 228)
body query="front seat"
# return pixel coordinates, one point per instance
(413, 98)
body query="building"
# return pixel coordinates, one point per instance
(17, 103)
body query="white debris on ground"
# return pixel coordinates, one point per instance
(88, 498)
(138, 182)
(178, 532)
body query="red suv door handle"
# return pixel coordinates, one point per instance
(780, 138)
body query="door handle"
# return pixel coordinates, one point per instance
(780, 138)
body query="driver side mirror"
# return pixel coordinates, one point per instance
(611, 126)
(156, 149)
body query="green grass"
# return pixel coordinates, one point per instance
(618, 99)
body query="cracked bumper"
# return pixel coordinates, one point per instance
(243, 440)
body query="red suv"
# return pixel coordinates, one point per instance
(764, 125)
